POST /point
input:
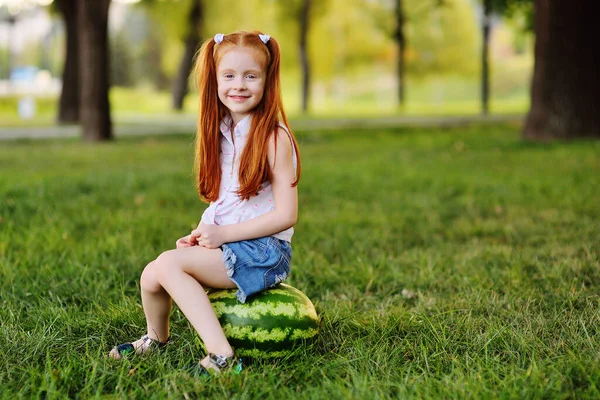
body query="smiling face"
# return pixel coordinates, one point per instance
(241, 81)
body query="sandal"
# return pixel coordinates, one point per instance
(219, 364)
(127, 349)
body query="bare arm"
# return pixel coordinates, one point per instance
(285, 197)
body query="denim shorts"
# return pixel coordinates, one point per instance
(257, 264)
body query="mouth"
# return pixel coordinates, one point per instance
(239, 98)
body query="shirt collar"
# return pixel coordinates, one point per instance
(241, 129)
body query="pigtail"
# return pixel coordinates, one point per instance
(207, 167)
(254, 165)
(281, 116)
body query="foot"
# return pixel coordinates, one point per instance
(140, 346)
(215, 364)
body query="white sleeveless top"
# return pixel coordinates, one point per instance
(229, 208)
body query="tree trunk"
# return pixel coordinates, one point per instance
(305, 63)
(180, 84)
(93, 69)
(485, 72)
(566, 83)
(68, 109)
(401, 42)
(11, 20)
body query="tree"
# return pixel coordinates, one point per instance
(566, 83)
(121, 56)
(300, 13)
(400, 38)
(92, 25)
(179, 23)
(507, 8)
(191, 41)
(431, 37)
(485, 73)
(68, 109)
(84, 95)
(304, 20)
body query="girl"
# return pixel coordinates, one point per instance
(248, 168)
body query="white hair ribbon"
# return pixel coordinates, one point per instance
(219, 38)
(264, 38)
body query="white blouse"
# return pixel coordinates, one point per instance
(229, 208)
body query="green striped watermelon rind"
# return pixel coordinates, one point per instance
(296, 324)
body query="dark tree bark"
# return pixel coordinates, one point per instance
(565, 92)
(304, 60)
(401, 43)
(180, 84)
(68, 109)
(94, 69)
(485, 67)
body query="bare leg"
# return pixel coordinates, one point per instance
(182, 274)
(157, 304)
(157, 307)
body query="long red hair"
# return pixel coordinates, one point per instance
(254, 166)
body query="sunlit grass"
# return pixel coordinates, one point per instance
(451, 96)
(456, 263)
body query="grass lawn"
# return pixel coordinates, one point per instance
(451, 97)
(460, 263)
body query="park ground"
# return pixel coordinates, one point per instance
(457, 262)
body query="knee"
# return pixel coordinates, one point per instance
(149, 280)
(165, 265)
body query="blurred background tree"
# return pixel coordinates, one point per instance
(566, 85)
(340, 58)
(301, 14)
(491, 9)
(433, 37)
(94, 107)
(183, 21)
(68, 110)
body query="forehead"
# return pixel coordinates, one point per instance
(241, 57)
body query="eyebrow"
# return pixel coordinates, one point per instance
(256, 71)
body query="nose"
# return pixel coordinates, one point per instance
(239, 83)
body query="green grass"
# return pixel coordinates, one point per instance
(357, 98)
(457, 263)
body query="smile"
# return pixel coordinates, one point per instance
(239, 98)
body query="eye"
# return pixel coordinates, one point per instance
(228, 76)
(250, 76)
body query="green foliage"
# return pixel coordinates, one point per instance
(170, 15)
(351, 34)
(512, 7)
(166, 28)
(277, 18)
(348, 39)
(519, 11)
(457, 263)
(121, 61)
(3, 66)
(441, 39)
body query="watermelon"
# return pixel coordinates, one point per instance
(270, 324)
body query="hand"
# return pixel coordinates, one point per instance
(208, 236)
(184, 242)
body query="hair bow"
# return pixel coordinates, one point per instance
(264, 38)
(219, 38)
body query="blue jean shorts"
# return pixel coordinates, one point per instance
(257, 264)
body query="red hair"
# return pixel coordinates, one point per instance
(254, 166)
